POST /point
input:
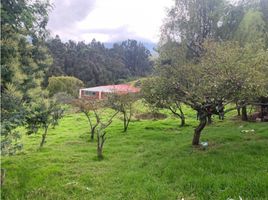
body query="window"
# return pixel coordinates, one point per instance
(89, 93)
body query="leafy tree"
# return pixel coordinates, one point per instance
(226, 71)
(12, 116)
(251, 29)
(42, 113)
(159, 93)
(68, 84)
(24, 58)
(58, 51)
(136, 57)
(192, 22)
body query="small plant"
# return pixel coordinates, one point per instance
(42, 114)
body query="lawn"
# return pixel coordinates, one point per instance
(153, 160)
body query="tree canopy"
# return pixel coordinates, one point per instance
(95, 64)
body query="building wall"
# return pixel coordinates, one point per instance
(94, 95)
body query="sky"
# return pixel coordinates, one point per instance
(108, 20)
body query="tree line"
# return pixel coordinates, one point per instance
(95, 64)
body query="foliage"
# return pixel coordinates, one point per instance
(160, 93)
(96, 65)
(225, 72)
(192, 22)
(63, 98)
(11, 143)
(25, 17)
(21, 60)
(12, 116)
(252, 29)
(68, 84)
(24, 60)
(207, 75)
(41, 114)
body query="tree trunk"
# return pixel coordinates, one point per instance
(198, 130)
(3, 174)
(125, 129)
(101, 139)
(244, 113)
(262, 113)
(238, 112)
(101, 135)
(125, 123)
(209, 119)
(238, 109)
(182, 120)
(92, 133)
(99, 152)
(44, 137)
(182, 117)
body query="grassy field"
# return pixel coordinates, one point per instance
(153, 160)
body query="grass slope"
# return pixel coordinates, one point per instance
(154, 160)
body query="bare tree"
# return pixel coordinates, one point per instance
(90, 109)
(101, 133)
(123, 103)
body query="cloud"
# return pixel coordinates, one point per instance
(67, 13)
(108, 20)
(112, 34)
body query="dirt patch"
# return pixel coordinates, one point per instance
(151, 115)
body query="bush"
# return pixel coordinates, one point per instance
(67, 84)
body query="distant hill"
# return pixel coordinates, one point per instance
(149, 45)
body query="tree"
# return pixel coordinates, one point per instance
(101, 133)
(226, 71)
(251, 29)
(93, 109)
(68, 84)
(191, 22)
(24, 59)
(57, 50)
(12, 116)
(159, 93)
(42, 113)
(96, 65)
(136, 57)
(123, 103)
(90, 109)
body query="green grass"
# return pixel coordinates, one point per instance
(154, 160)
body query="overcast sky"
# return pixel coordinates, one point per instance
(108, 20)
